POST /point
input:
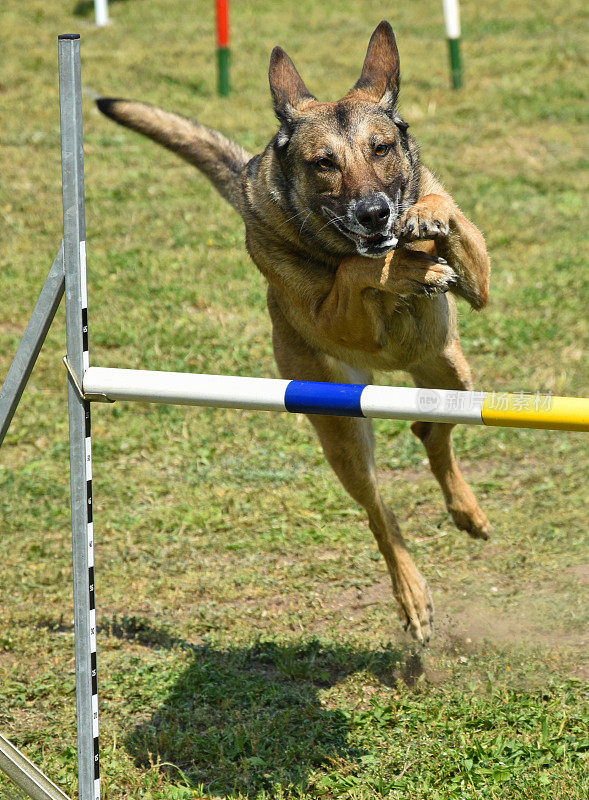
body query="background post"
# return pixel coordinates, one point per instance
(74, 253)
(101, 12)
(223, 54)
(452, 19)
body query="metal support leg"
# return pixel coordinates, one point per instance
(74, 249)
(26, 775)
(31, 343)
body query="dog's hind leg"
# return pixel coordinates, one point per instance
(348, 444)
(449, 370)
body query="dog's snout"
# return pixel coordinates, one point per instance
(373, 212)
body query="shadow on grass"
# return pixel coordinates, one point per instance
(251, 719)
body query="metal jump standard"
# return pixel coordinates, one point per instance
(87, 384)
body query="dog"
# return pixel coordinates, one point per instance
(363, 250)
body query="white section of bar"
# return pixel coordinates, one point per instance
(452, 19)
(220, 391)
(430, 405)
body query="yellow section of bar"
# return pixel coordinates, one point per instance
(526, 410)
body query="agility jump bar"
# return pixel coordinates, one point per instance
(518, 410)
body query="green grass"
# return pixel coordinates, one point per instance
(248, 643)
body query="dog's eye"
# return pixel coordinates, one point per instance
(323, 164)
(381, 150)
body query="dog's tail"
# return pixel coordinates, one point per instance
(220, 159)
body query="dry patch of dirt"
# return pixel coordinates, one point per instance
(581, 572)
(535, 617)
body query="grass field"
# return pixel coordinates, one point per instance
(248, 643)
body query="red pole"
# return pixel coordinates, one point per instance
(222, 14)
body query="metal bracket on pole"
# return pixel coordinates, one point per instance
(94, 397)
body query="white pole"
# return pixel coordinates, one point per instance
(452, 18)
(183, 388)
(101, 9)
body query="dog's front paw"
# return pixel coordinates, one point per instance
(429, 218)
(437, 280)
(413, 272)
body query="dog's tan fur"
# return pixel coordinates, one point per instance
(337, 314)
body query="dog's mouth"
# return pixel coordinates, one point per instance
(372, 245)
(375, 245)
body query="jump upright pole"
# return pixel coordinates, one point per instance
(74, 255)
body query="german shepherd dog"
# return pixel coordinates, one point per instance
(359, 244)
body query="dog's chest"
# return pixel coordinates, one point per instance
(412, 333)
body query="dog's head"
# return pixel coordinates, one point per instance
(351, 168)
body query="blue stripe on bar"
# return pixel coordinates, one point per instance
(314, 397)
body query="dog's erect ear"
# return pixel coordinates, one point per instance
(380, 74)
(286, 85)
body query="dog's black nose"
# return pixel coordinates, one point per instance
(373, 212)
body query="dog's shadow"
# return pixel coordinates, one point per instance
(253, 719)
